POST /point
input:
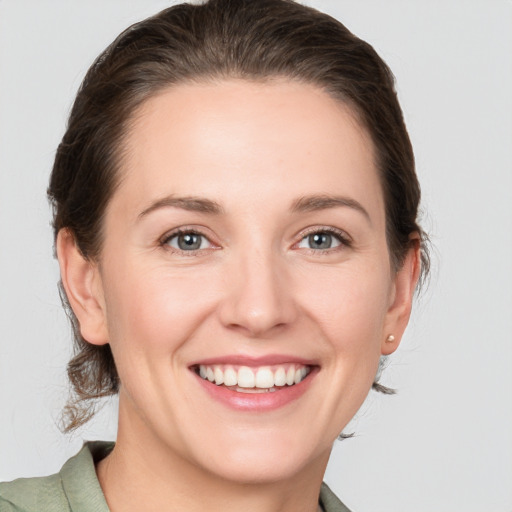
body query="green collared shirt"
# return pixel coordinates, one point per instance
(76, 488)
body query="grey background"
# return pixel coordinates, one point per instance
(444, 443)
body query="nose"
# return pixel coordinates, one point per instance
(258, 296)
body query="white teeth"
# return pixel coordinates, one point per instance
(290, 376)
(219, 375)
(230, 377)
(247, 378)
(264, 378)
(280, 377)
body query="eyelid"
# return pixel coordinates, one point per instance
(164, 240)
(343, 237)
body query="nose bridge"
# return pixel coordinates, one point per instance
(258, 296)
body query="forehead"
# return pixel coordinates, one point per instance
(241, 137)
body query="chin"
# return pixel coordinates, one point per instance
(262, 459)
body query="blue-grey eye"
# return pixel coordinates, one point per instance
(188, 241)
(321, 240)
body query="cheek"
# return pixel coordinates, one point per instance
(350, 311)
(349, 304)
(151, 316)
(154, 310)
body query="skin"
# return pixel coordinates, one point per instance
(255, 288)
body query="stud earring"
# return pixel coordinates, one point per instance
(390, 339)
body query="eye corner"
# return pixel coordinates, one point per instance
(193, 241)
(327, 238)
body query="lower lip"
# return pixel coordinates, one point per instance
(258, 402)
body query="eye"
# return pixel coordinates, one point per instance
(187, 241)
(323, 240)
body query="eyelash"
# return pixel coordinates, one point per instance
(343, 239)
(164, 242)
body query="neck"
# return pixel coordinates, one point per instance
(148, 476)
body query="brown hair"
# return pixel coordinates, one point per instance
(248, 39)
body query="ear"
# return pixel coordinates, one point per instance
(402, 294)
(82, 283)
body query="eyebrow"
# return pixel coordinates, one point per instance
(193, 204)
(323, 202)
(303, 204)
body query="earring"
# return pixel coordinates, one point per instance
(390, 339)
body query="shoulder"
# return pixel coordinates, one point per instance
(330, 502)
(33, 494)
(74, 489)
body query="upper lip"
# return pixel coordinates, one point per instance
(251, 361)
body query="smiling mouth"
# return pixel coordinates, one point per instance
(245, 379)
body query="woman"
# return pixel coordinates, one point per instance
(235, 212)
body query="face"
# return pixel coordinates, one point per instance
(245, 283)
